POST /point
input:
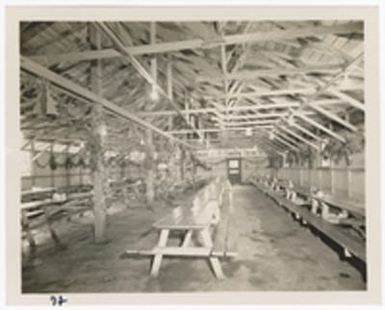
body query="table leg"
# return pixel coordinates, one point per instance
(158, 257)
(187, 238)
(214, 261)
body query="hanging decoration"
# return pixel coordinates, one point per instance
(305, 155)
(337, 150)
(41, 165)
(52, 162)
(292, 158)
(68, 163)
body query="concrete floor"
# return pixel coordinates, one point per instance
(275, 253)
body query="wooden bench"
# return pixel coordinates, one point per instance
(319, 200)
(350, 243)
(332, 209)
(32, 207)
(194, 221)
(355, 208)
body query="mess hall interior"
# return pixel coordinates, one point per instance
(175, 156)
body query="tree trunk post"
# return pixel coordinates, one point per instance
(150, 172)
(99, 175)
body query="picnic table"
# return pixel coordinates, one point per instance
(194, 220)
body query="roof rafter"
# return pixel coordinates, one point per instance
(36, 69)
(272, 35)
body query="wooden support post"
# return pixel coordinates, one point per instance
(99, 132)
(150, 173)
(301, 176)
(67, 170)
(80, 175)
(123, 171)
(186, 109)
(153, 58)
(319, 177)
(52, 171)
(194, 171)
(349, 181)
(176, 167)
(33, 167)
(182, 164)
(169, 80)
(170, 122)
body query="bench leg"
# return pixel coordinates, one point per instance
(314, 206)
(31, 240)
(214, 261)
(325, 211)
(158, 257)
(54, 236)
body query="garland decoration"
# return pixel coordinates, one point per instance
(40, 165)
(52, 162)
(337, 150)
(292, 158)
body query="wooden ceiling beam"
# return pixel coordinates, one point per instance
(281, 92)
(321, 127)
(256, 74)
(273, 35)
(299, 137)
(282, 141)
(321, 90)
(212, 130)
(278, 105)
(303, 129)
(242, 123)
(350, 100)
(274, 92)
(274, 143)
(142, 71)
(285, 136)
(71, 87)
(332, 116)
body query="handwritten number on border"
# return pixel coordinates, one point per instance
(58, 300)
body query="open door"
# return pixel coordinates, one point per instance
(234, 172)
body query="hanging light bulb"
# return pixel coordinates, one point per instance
(103, 130)
(154, 95)
(248, 132)
(290, 120)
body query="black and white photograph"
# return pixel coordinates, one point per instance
(168, 155)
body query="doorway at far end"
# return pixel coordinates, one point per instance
(234, 171)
